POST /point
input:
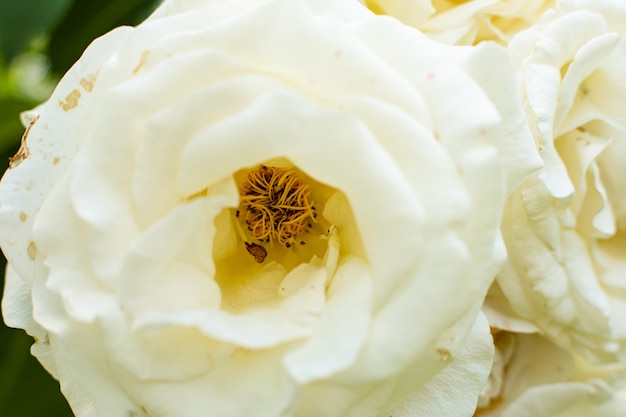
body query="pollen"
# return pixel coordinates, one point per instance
(276, 205)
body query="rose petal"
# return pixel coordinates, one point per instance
(443, 395)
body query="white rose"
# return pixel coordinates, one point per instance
(278, 208)
(464, 22)
(537, 379)
(565, 229)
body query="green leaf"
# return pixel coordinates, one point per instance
(88, 19)
(11, 128)
(21, 20)
(26, 389)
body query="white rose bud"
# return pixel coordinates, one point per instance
(277, 208)
(565, 229)
(463, 22)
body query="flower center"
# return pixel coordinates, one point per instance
(286, 224)
(277, 206)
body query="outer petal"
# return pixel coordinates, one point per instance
(443, 395)
(541, 380)
(44, 162)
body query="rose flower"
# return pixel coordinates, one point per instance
(264, 208)
(565, 228)
(464, 22)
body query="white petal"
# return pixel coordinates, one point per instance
(25, 186)
(445, 395)
(342, 329)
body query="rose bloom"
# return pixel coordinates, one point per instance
(565, 229)
(464, 22)
(532, 377)
(277, 208)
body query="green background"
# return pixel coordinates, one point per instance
(39, 41)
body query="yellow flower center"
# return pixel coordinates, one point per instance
(276, 206)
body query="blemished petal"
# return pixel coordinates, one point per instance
(444, 395)
(46, 160)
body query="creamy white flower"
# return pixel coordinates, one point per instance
(245, 208)
(538, 379)
(565, 229)
(464, 22)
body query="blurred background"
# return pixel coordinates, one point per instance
(39, 41)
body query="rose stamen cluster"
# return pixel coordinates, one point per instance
(277, 205)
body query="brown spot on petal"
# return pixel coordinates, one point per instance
(23, 217)
(444, 354)
(584, 141)
(32, 251)
(71, 100)
(142, 61)
(56, 160)
(23, 152)
(88, 82)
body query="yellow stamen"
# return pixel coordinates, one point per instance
(277, 205)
